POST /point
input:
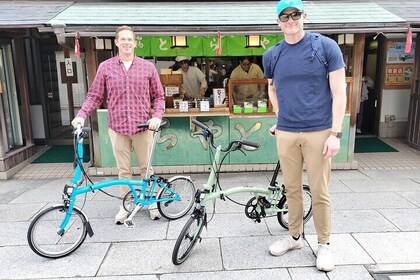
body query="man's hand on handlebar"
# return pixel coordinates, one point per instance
(76, 121)
(154, 123)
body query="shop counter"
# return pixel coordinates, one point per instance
(177, 145)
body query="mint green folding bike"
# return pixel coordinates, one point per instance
(266, 202)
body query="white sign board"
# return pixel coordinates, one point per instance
(169, 91)
(183, 106)
(219, 96)
(69, 67)
(205, 106)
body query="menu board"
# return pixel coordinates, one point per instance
(399, 68)
(396, 53)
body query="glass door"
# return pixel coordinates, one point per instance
(9, 108)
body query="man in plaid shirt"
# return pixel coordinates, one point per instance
(131, 85)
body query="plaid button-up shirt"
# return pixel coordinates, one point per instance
(129, 94)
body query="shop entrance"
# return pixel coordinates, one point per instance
(366, 118)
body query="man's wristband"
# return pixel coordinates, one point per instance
(337, 134)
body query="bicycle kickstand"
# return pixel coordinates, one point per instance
(129, 221)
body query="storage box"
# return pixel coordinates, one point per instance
(248, 107)
(237, 109)
(171, 79)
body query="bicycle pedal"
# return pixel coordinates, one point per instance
(129, 223)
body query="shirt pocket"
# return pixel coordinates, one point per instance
(311, 64)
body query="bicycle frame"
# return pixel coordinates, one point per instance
(147, 187)
(274, 192)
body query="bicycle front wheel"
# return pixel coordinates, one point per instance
(187, 239)
(44, 238)
(283, 216)
(174, 209)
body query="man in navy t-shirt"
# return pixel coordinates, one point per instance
(309, 98)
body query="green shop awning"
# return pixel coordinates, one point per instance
(160, 46)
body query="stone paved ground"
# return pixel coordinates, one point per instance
(375, 228)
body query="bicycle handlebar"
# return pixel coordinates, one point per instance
(163, 124)
(236, 144)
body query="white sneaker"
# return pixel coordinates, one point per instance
(281, 247)
(324, 260)
(121, 216)
(359, 131)
(154, 212)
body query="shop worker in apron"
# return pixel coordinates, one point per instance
(309, 98)
(131, 86)
(194, 83)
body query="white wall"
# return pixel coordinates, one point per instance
(37, 121)
(395, 102)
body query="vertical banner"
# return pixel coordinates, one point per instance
(143, 46)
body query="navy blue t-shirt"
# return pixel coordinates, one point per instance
(303, 92)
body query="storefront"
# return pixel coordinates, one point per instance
(218, 32)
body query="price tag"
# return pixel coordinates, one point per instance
(183, 106)
(169, 91)
(205, 106)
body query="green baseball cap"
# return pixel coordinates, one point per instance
(284, 4)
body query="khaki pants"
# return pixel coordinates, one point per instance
(121, 146)
(295, 148)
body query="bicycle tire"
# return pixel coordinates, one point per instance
(283, 217)
(42, 234)
(187, 239)
(173, 209)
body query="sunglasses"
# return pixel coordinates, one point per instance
(294, 16)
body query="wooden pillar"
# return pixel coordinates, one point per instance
(22, 81)
(358, 59)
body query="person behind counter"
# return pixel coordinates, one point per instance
(194, 83)
(246, 70)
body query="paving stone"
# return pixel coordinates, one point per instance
(39, 195)
(392, 174)
(336, 186)
(20, 184)
(252, 252)
(344, 221)
(145, 229)
(413, 197)
(307, 273)
(346, 249)
(231, 275)
(345, 272)
(54, 184)
(364, 201)
(13, 233)
(383, 185)
(347, 174)
(154, 257)
(398, 247)
(120, 277)
(7, 195)
(22, 263)
(18, 212)
(404, 219)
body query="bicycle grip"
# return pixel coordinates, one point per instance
(199, 124)
(251, 144)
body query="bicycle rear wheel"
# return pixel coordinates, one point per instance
(174, 209)
(44, 238)
(187, 238)
(283, 216)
